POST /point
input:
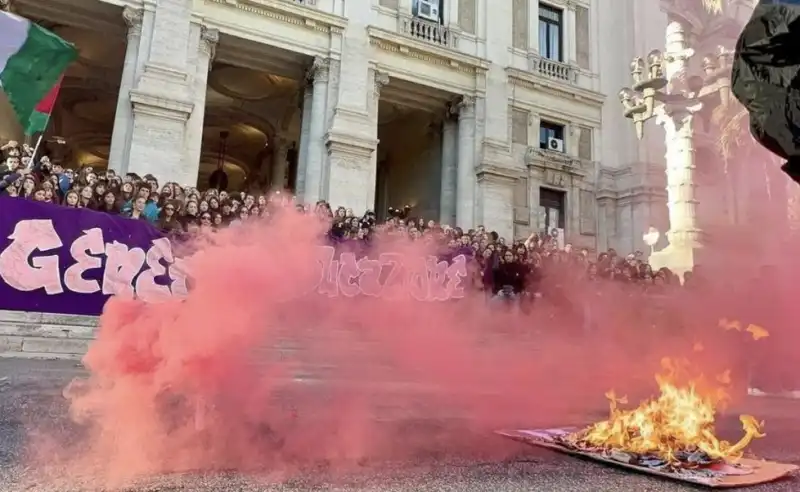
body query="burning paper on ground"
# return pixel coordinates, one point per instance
(671, 435)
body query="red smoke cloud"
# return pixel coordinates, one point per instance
(255, 370)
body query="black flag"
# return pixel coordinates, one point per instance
(766, 78)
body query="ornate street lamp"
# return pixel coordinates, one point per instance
(664, 89)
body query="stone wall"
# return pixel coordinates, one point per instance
(45, 336)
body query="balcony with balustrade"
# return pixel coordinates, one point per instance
(552, 69)
(427, 31)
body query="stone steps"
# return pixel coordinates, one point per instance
(44, 335)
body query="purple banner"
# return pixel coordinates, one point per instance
(63, 260)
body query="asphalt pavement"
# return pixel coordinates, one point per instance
(31, 390)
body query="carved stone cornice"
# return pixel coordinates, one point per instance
(290, 13)
(424, 51)
(548, 159)
(350, 145)
(490, 172)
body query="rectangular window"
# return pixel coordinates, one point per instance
(430, 10)
(551, 43)
(548, 132)
(551, 209)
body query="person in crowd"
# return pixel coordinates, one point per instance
(138, 210)
(109, 203)
(168, 219)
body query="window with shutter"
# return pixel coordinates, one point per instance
(391, 4)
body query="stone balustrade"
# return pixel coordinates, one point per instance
(553, 69)
(430, 32)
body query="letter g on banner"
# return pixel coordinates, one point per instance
(15, 261)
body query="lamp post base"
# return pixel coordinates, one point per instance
(679, 258)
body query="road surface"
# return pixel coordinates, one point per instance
(29, 387)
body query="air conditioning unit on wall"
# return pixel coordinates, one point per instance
(428, 10)
(555, 144)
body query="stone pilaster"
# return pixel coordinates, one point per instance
(465, 187)
(497, 210)
(380, 79)
(161, 99)
(305, 126)
(447, 208)
(204, 56)
(570, 36)
(533, 26)
(318, 73)
(351, 180)
(280, 147)
(123, 118)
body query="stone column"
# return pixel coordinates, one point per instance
(380, 80)
(206, 49)
(316, 131)
(280, 147)
(123, 118)
(305, 125)
(465, 187)
(447, 207)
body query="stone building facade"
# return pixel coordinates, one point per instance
(524, 129)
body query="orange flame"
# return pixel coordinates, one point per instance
(680, 419)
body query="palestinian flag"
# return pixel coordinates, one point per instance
(32, 62)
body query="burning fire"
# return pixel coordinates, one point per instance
(677, 423)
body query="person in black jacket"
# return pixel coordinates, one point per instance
(509, 277)
(765, 78)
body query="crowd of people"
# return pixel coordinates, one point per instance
(504, 270)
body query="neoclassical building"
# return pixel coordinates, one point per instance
(501, 113)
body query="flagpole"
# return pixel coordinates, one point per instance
(38, 144)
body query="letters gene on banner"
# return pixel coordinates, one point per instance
(69, 261)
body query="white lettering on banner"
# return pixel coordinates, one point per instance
(146, 287)
(122, 266)
(23, 272)
(130, 272)
(90, 243)
(424, 279)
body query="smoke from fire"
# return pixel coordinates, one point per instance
(257, 370)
